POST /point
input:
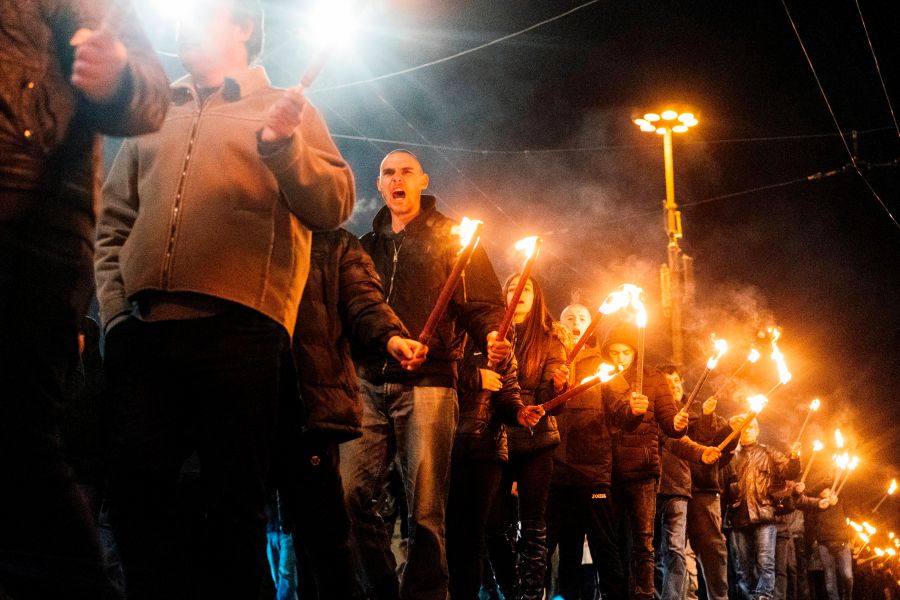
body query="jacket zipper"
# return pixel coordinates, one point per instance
(179, 194)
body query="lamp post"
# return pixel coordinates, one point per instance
(674, 274)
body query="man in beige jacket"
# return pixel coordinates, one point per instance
(202, 256)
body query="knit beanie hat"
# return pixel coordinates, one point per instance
(621, 333)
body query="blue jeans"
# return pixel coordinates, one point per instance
(837, 563)
(671, 539)
(755, 567)
(283, 564)
(417, 424)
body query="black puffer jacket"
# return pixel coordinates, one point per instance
(343, 301)
(481, 432)
(425, 253)
(49, 150)
(757, 470)
(537, 388)
(636, 453)
(710, 430)
(584, 456)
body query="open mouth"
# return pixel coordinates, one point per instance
(576, 332)
(398, 194)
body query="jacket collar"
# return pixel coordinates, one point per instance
(381, 224)
(237, 85)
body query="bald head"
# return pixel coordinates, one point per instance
(401, 182)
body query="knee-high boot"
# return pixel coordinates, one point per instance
(502, 556)
(532, 560)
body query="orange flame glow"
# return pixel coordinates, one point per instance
(838, 438)
(784, 375)
(527, 246)
(721, 349)
(626, 295)
(869, 528)
(817, 446)
(465, 230)
(753, 356)
(605, 373)
(757, 403)
(892, 488)
(815, 404)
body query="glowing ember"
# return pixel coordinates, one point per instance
(527, 246)
(465, 230)
(838, 438)
(893, 487)
(754, 355)
(817, 445)
(784, 375)
(757, 403)
(815, 404)
(721, 349)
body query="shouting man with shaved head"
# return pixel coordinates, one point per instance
(413, 414)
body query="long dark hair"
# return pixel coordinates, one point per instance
(537, 329)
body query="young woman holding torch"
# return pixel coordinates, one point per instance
(542, 374)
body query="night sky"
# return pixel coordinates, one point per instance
(817, 258)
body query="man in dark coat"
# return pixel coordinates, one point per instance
(58, 91)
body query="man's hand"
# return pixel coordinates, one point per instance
(709, 405)
(560, 377)
(490, 380)
(799, 488)
(497, 350)
(528, 416)
(680, 422)
(100, 60)
(710, 455)
(410, 353)
(639, 403)
(824, 503)
(284, 116)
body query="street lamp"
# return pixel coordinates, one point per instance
(674, 274)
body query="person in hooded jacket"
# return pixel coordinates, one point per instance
(636, 465)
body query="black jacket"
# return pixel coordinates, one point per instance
(710, 430)
(49, 150)
(481, 431)
(636, 453)
(537, 388)
(343, 301)
(426, 250)
(584, 456)
(757, 470)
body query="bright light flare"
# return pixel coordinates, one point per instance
(527, 246)
(605, 373)
(856, 526)
(753, 356)
(721, 348)
(757, 403)
(651, 117)
(628, 294)
(863, 537)
(680, 128)
(890, 552)
(879, 552)
(175, 10)
(331, 23)
(892, 488)
(853, 463)
(815, 404)
(669, 115)
(465, 230)
(662, 130)
(890, 535)
(869, 528)
(817, 445)
(838, 438)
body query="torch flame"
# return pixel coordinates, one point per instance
(855, 525)
(721, 349)
(627, 295)
(863, 537)
(890, 551)
(869, 529)
(842, 461)
(892, 488)
(838, 438)
(784, 375)
(879, 552)
(757, 403)
(853, 463)
(817, 445)
(753, 356)
(815, 404)
(528, 245)
(465, 230)
(605, 373)
(890, 535)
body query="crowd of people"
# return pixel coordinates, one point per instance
(264, 405)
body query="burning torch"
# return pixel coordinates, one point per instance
(890, 492)
(757, 403)
(721, 348)
(813, 407)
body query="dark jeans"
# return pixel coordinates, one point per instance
(671, 539)
(49, 546)
(636, 509)
(754, 547)
(837, 564)
(704, 528)
(574, 512)
(313, 498)
(473, 486)
(510, 562)
(209, 385)
(785, 566)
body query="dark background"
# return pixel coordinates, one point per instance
(818, 258)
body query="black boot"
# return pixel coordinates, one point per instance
(502, 557)
(532, 560)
